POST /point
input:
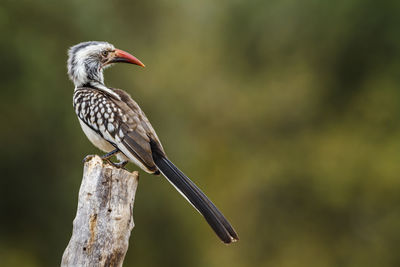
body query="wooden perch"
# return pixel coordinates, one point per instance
(104, 219)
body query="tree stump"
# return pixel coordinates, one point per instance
(104, 218)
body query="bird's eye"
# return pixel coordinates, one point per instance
(104, 53)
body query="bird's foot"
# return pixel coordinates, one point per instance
(120, 165)
(106, 158)
(87, 158)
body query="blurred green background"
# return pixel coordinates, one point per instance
(286, 113)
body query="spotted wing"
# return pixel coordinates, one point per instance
(120, 122)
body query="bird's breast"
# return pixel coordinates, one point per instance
(96, 139)
(96, 117)
(109, 126)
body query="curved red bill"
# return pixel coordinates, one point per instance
(122, 56)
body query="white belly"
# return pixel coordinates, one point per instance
(96, 139)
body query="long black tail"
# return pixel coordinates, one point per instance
(197, 198)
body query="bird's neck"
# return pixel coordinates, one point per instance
(99, 86)
(90, 74)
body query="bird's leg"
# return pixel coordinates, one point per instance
(104, 157)
(109, 154)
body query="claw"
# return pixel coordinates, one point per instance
(87, 158)
(119, 165)
(106, 158)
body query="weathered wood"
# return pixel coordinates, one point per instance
(104, 220)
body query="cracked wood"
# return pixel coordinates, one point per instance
(104, 218)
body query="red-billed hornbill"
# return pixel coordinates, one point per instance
(114, 123)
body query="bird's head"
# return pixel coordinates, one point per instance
(87, 60)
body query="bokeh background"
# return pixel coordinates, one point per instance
(285, 112)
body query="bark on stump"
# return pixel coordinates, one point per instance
(104, 218)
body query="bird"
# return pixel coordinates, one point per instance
(114, 123)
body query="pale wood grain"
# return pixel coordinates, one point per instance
(104, 218)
